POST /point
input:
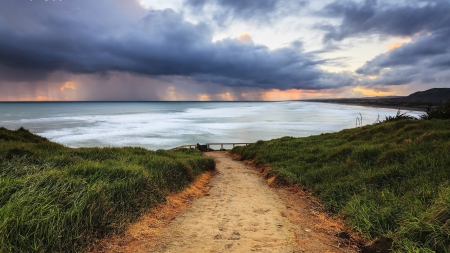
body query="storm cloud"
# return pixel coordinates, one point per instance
(264, 11)
(248, 8)
(76, 38)
(425, 59)
(370, 16)
(430, 51)
(119, 49)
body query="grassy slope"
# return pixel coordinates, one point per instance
(58, 199)
(391, 178)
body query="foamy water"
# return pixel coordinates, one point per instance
(162, 125)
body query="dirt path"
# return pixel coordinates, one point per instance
(239, 213)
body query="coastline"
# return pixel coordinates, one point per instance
(420, 108)
(418, 101)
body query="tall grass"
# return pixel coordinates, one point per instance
(59, 199)
(390, 178)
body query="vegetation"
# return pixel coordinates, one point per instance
(388, 179)
(59, 199)
(438, 112)
(398, 116)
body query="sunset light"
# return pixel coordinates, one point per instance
(68, 86)
(393, 46)
(372, 92)
(245, 37)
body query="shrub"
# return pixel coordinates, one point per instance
(399, 116)
(438, 112)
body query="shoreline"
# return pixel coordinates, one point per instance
(400, 107)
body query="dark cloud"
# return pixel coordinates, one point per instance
(246, 9)
(260, 10)
(429, 51)
(80, 38)
(370, 16)
(425, 59)
(422, 59)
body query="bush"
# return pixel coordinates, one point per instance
(399, 116)
(438, 112)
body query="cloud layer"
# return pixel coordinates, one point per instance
(370, 16)
(81, 39)
(43, 43)
(426, 59)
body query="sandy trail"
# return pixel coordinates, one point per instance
(239, 213)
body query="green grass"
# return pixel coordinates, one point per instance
(390, 178)
(59, 199)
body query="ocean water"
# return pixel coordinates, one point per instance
(163, 125)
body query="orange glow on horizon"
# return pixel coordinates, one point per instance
(204, 97)
(372, 92)
(68, 86)
(226, 96)
(294, 94)
(33, 99)
(276, 94)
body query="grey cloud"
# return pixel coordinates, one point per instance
(248, 8)
(429, 51)
(400, 76)
(424, 58)
(260, 10)
(240, 6)
(398, 20)
(86, 87)
(77, 39)
(413, 62)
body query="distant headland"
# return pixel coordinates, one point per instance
(418, 101)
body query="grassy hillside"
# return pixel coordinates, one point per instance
(58, 199)
(391, 178)
(435, 95)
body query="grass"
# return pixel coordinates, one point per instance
(388, 179)
(59, 199)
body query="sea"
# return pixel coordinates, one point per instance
(165, 125)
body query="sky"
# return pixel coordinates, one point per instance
(208, 50)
